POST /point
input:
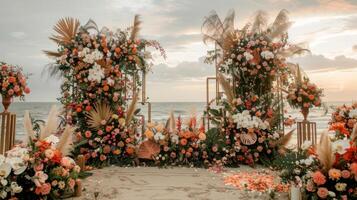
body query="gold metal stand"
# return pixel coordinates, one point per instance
(306, 132)
(7, 131)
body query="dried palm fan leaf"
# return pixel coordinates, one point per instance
(67, 29)
(100, 113)
(260, 22)
(131, 108)
(227, 88)
(324, 152)
(280, 25)
(28, 127)
(148, 149)
(248, 138)
(52, 54)
(51, 124)
(136, 28)
(65, 142)
(354, 135)
(283, 141)
(213, 29)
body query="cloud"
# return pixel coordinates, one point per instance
(321, 63)
(184, 71)
(18, 35)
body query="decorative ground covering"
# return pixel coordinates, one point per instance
(166, 184)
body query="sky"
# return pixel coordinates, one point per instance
(329, 27)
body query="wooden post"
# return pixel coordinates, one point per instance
(7, 131)
(306, 132)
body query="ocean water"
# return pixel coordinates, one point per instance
(160, 112)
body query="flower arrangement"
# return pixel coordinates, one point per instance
(101, 67)
(343, 120)
(327, 171)
(179, 143)
(304, 95)
(40, 167)
(251, 66)
(13, 81)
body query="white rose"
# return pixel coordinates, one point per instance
(340, 146)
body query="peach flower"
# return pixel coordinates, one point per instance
(322, 192)
(334, 174)
(318, 178)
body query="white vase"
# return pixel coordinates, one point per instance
(295, 193)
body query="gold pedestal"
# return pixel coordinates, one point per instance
(306, 132)
(7, 131)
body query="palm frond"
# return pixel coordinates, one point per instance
(28, 127)
(283, 141)
(136, 28)
(324, 152)
(51, 123)
(100, 113)
(66, 29)
(131, 108)
(65, 142)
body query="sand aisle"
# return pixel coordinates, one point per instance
(162, 184)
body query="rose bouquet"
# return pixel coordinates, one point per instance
(343, 120)
(101, 67)
(39, 168)
(304, 95)
(13, 81)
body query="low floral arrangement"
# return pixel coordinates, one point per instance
(13, 81)
(343, 120)
(328, 171)
(177, 143)
(108, 139)
(101, 67)
(40, 167)
(304, 95)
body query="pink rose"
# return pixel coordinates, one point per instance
(45, 189)
(68, 162)
(345, 174)
(16, 88)
(38, 167)
(318, 178)
(71, 183)
(322, 192)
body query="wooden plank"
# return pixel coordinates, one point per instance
(2, 132)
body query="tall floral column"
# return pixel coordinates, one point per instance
(250, 61)
(100, 70)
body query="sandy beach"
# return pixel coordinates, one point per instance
(163, 184)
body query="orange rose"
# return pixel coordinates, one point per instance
(130, 150)
(106, 149)
(12, 79)
(183, 141)
(311, 97)
(105, 88)
(117, 50)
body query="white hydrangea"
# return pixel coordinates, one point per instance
(96, 73)
(175, 138)
(245, 120)
(248, 56)
(353, 113)
(92, 57)
(84, 52)
(52, 139)
(267, 55)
